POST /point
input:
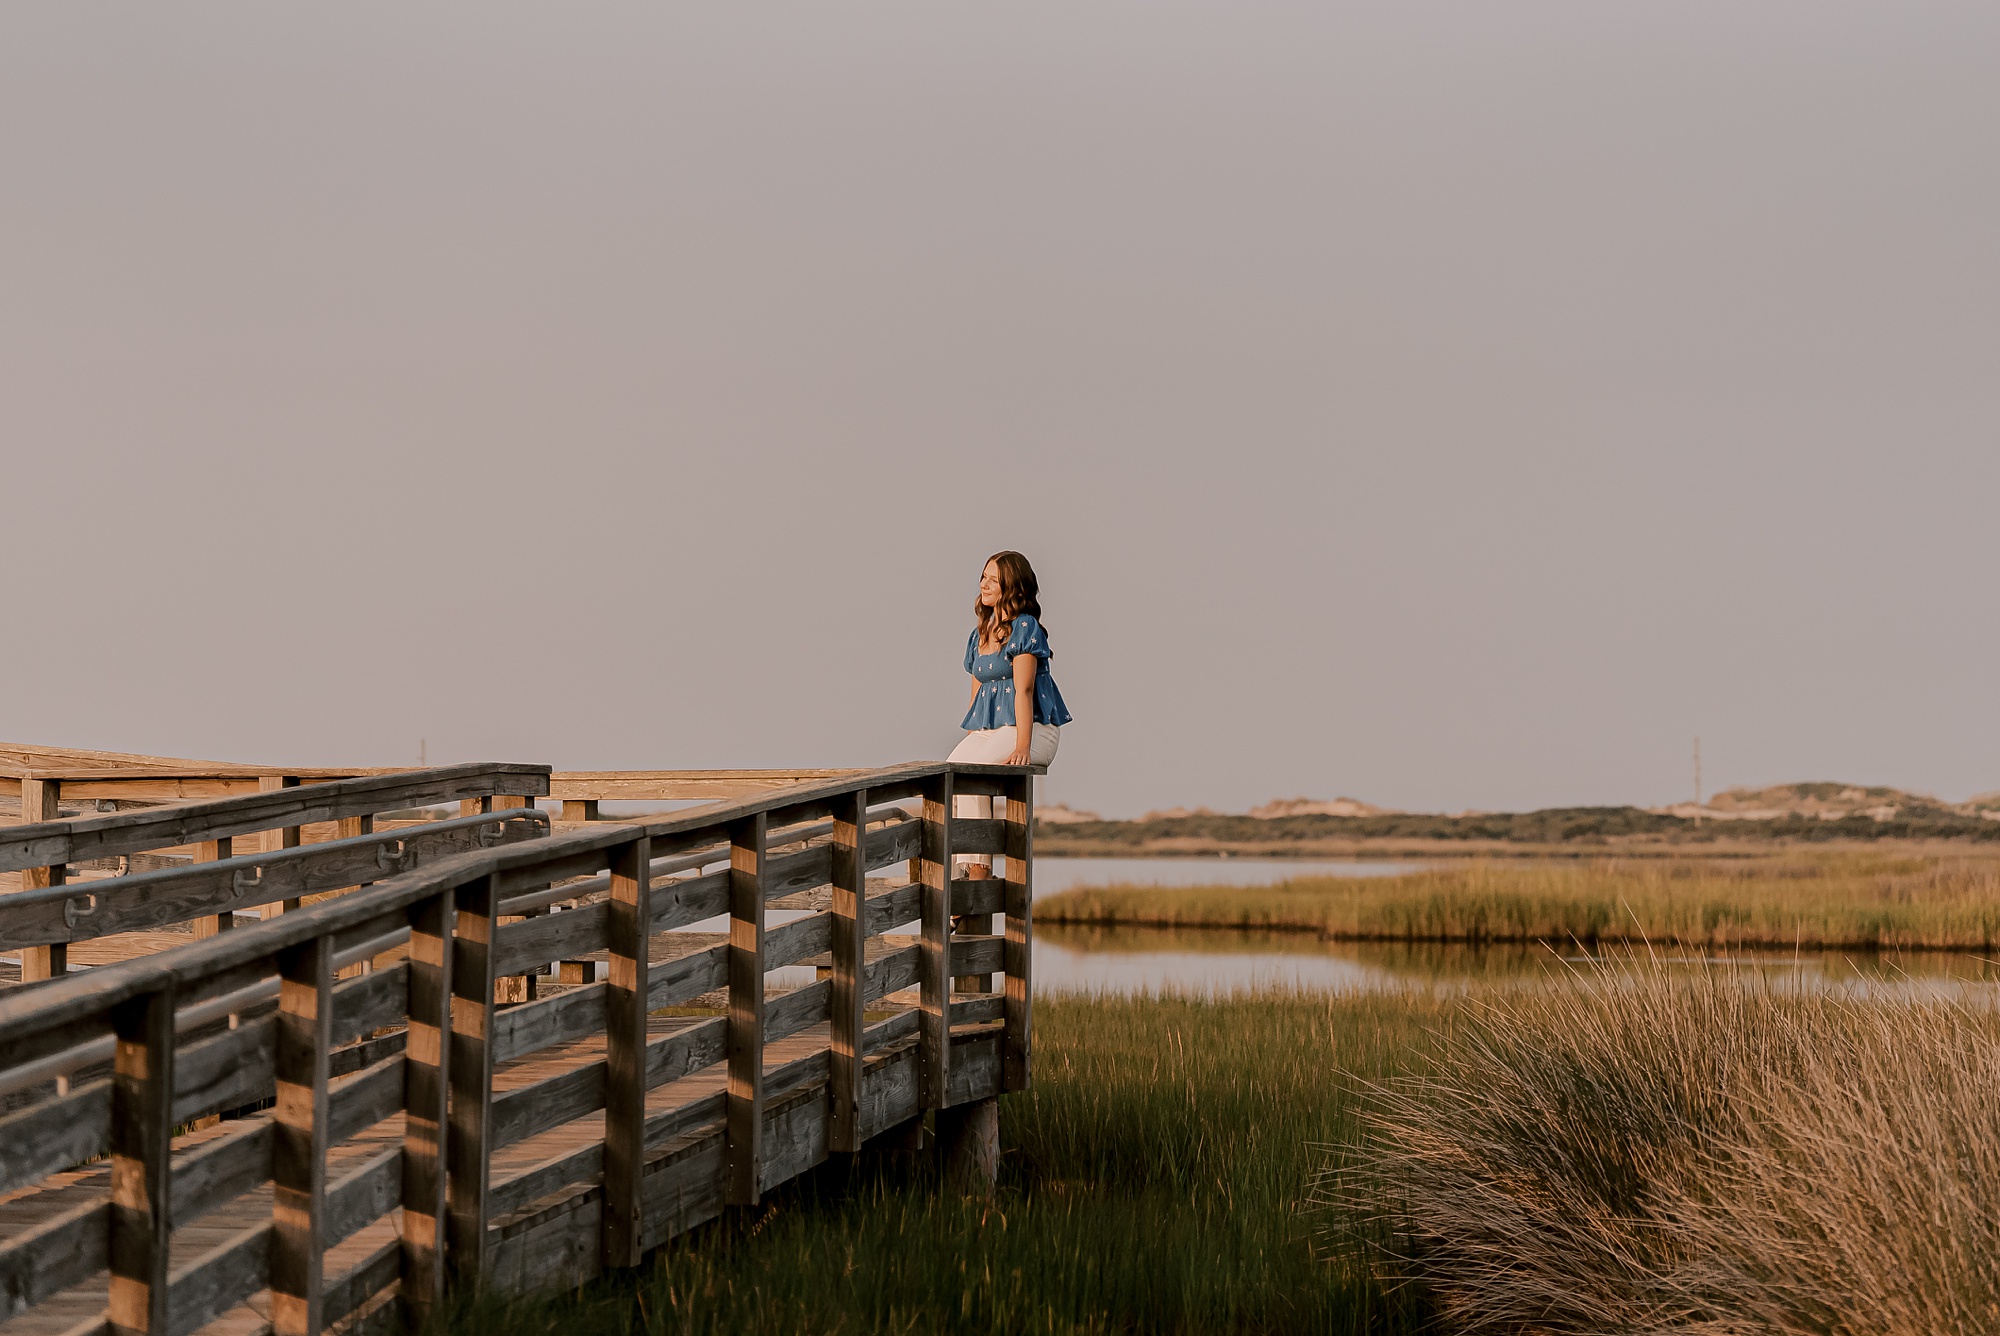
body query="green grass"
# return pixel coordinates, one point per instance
(1856, 901)
(1152, 1181)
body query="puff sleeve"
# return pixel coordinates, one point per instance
(1028, 638)
(971, 648)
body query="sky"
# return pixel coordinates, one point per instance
(1450, 404)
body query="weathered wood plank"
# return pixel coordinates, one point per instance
(534, 1109)
(221, 1170)
(470, 1066)
(77, 841)
(1016, 959)
(142, 1136)
(299, 1140)
(745, 1122)
(786, 1016)
(61, 1251)
(983, 896)
(690, 976)
(427, 1109)
(362, 1281)
(46, 1138)
(218, 1280)
(975, 954)
(362, 1196)
(537, 941)
(934, 977)
(687, 1051)
(365, 1098)
(789, 943)
(562, 1019)
(369, 1002)
(893, 971)
(629, 938)
(979, 1010)
(220, 883)
(849, 951)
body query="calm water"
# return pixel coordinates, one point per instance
(1074, 959)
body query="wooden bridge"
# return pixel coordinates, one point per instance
(409, 1073)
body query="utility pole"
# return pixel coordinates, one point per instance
(1697, 780)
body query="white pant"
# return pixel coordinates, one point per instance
(992, 746)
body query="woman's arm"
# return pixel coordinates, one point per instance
(1025, 666)
(975, 694)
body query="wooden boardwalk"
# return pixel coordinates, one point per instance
(499, 1056)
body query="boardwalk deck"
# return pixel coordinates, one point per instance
(575, 1140)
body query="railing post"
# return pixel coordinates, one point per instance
(934, 966)
(745, 1122)
(299, 1145)
(426, 1104)
(850, 938)
(629, 935)
(470, 1071)
(210, 851)
(142, 1141)
(41, 801)
(1017, 954)
(285, 837)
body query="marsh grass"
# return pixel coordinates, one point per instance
(1152, 1181)
(1647, 1151)
(1854, 901)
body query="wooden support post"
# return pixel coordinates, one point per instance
(629, 933)
(579, 809)
(209, 851)
(426, 1102)
(41, 801)
(275, 841)
(934, 965)
(513, 988)
(969, 1144)
(1017, 953)
(850, 937)
(142, 1141)
(470, 1070)
(299, 1137)
(745, 1123)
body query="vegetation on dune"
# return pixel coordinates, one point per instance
(1858, 901)
(1152, 1181)
(1646, 1151)
(1551, 826)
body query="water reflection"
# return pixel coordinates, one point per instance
(1072, 959)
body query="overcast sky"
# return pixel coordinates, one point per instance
(1447, 404)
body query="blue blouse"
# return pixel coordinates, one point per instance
(993, 707)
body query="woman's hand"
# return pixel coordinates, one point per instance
(1019, 756)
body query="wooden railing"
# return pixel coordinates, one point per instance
(421, 1132)
(54, 908)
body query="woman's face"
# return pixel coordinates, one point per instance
(989, 585)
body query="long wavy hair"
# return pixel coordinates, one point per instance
(1019, 593)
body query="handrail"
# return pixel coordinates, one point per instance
(41, 844)
(560, 1163)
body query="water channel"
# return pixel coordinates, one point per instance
(1136, 960)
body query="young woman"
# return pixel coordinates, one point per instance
(1016, 709)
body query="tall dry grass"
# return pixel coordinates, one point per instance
(1851, 900)
(1692, 1152)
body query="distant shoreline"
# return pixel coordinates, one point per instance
(1588, 832)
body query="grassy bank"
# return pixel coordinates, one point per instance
(1857, 901)
(1151, 1182)
(1551, 828)
(1689, 1151)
